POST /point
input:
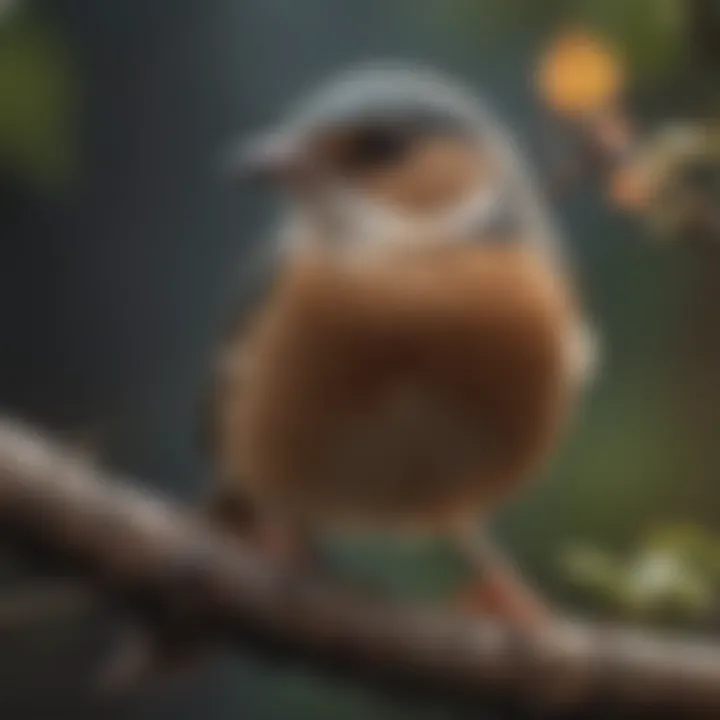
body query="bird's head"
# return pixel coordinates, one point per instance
(385, 156)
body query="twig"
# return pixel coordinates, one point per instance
(167, 565)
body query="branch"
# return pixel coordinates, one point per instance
(165, 564)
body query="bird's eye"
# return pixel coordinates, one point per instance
(373, 148)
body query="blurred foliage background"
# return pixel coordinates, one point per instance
(121, 242)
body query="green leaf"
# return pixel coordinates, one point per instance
(37, 99)
(662, 581)
(591, 568)
(685, 540)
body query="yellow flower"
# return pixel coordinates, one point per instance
(579, 75)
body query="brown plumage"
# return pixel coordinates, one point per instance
(415, 359)
(416, 391)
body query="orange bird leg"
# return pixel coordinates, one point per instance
(499, 590)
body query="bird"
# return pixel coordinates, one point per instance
(417, 345)
(421, 346)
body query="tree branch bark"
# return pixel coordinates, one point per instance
(167, 566)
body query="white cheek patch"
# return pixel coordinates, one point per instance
(368, 224)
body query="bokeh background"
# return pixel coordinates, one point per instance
(121, 242)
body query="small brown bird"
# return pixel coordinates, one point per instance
(421, 345)
(418, 351)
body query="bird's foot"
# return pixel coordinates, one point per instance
(505, 597)
(498, 589)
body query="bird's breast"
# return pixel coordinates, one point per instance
(413, 391)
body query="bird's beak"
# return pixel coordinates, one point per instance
(276, 157)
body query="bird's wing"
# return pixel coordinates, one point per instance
(257, 277)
